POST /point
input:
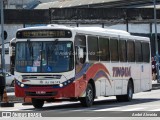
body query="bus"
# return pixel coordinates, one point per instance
(59, 63)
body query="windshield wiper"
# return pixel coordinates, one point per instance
(56, 41)
(30, 48)
(53, 47)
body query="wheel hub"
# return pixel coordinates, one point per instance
(90, 95)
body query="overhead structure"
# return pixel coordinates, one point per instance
(96, 4)
(81, 15)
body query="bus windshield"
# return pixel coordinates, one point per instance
(44, 57)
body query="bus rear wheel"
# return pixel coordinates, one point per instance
(128, 96)
(130, 89)
(37, 103)
(87, 101)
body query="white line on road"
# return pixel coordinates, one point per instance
(155, 110)
(11, 110)
(108, 109)
(94, 118)
(133, 109)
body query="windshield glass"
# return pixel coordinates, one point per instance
(44, 56)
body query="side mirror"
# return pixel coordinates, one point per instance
(80, 53)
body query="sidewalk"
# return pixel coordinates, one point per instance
(155, 85)
(12, 98)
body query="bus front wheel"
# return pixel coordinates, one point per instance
(37, 103)
(87, 101)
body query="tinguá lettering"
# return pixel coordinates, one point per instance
(121, 71)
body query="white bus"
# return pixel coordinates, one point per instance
(56, 62)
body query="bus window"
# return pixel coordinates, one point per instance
(146, 52)
(80, 43)
(138, 51)
(80, 51)
(104, 49)
(114, 49)
(93, 48)
(44, 57)
(130, 51)
(80, 40)
(122, 51)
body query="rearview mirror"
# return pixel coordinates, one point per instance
(80, 52)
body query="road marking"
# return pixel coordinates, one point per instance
(155, 110)
(108, 109)
(132, 109)
(94, 118)
(11, 110)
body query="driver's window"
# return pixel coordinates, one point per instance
(80, 51)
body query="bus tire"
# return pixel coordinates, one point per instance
(37, 103)
(87, 101)
(130, 89)
(128, 97)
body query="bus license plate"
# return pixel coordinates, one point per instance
(40, 92)
(50, 82)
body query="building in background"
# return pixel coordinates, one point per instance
(138, 28)
(12, 28)
(23, 4)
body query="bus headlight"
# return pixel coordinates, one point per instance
(22, 85)
(60, 85)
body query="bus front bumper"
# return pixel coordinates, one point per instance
(72, 90)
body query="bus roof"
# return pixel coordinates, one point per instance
(98, 30)
(103, 30)
(89, 29)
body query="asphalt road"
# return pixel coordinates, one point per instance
(143, 103)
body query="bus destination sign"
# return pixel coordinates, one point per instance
(44, 34)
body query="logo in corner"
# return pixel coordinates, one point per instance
(6, 114)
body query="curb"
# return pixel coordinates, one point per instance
(9, 89)
(14, 99)
(155, 86)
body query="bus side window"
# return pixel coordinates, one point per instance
(146, 52)
(138, 51)
(93, 52)
(114, 49)
(122, 50)
(130, 51)
(80, 51)
(104, 49)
